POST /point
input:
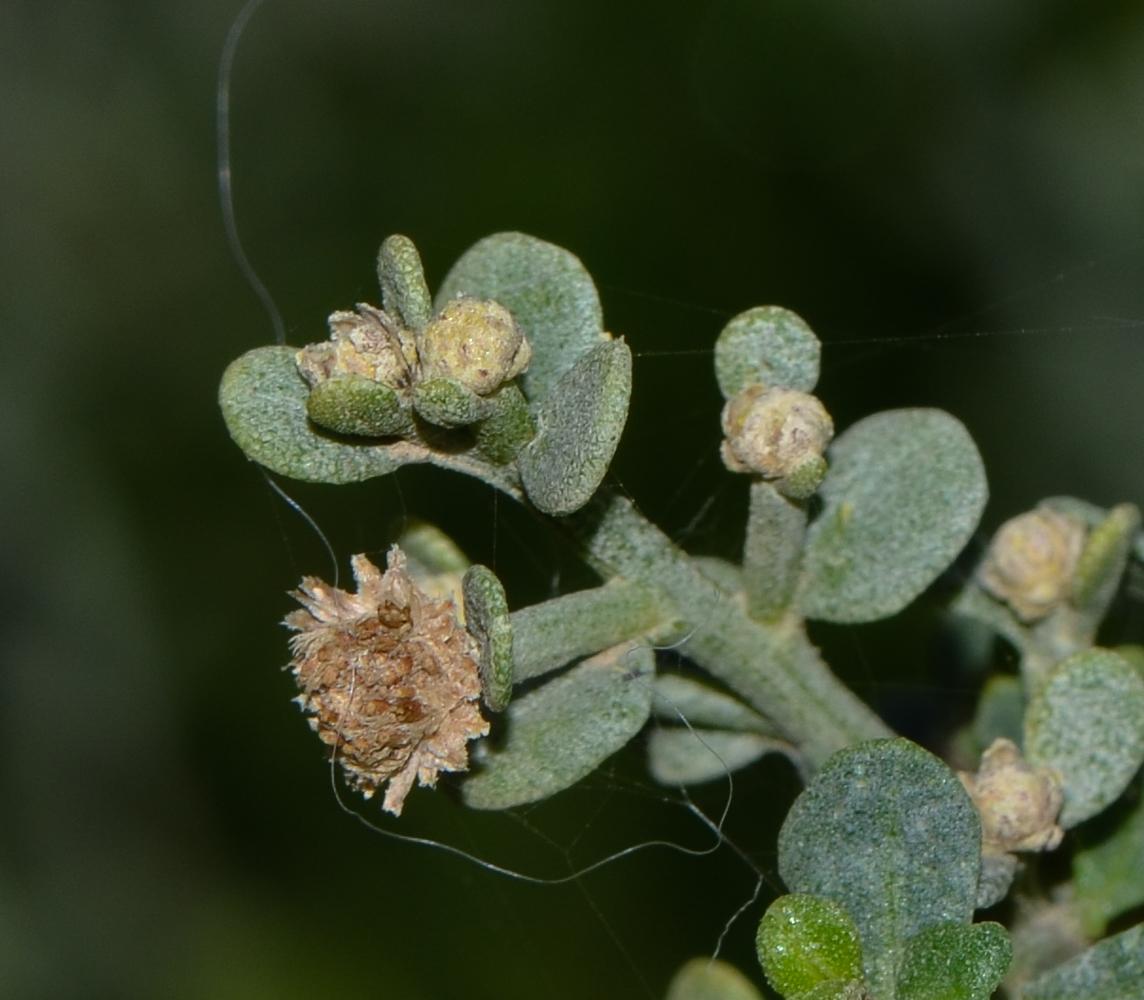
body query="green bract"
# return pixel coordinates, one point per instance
(806, 941)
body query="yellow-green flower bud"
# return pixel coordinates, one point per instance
(1031, 561)
(1018, 803)
(364, 342)
(780, 434)
(474, 342)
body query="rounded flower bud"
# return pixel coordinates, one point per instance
(474, 342)
(779, 434)
(1031, 561)
(1018, 803)
(364, 342)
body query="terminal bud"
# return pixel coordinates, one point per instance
(475, 343)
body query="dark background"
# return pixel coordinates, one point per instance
(950, 193)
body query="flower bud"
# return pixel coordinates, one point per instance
(779, 434)
(365, 342)
(474, 342)
(1031, 561)
(1018, 803)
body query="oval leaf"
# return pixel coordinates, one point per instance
(548, 291)
(1113, 969)
(580, 423)
(903, 495)
(487, 618)
(1109, 874)
(680, 756)
(1087, 722)
(952, 961)
(886, 831)
(263, 400)
(767, 345)
(806, 940)
(704, 979)
(565, 729)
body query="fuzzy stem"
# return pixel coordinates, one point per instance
(775, 668)
(772, 554)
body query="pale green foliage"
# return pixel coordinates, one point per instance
(767, 345)
(680, 756)
(1087, 722)
(678, 698)
(404, 294)
(1110, 970)
(903, 495)
(1110, 872)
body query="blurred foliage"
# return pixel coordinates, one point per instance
(905, 175)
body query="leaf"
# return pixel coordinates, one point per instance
(1108, 875)
(679, 756)
(263, 400)
(580, 423)
(548, 291)
(508, 428)
(887, 831)
(353, 404)
(404, 293)
(1000, 711)
(806, 940)
(1102, 562)
(564, 730)
(953, 961)
(903, 495)
(767, 345)
(677, 699)
(997, 874)
(447, 403)
(1087, 722)
(487, 618)
(705, 979)
(1113, 969)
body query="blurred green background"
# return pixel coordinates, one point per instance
(950, 193)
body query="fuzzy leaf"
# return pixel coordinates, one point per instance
(704, 979)
(767, 345)
(580, 423)
(1087, 722)
(1112, 969)
(679, 756)
(487, 618)
(677, 698)
(549, 293)
(997, 874)
(447, 403)
(404, 293)
(953, 961)
(887, 831)
(353, 404)
(903, 495)
(807, 940)
(1109, 873)
(263, 400)
(1102, 562)
(508, 428)
(1000, 711)
(564, 730)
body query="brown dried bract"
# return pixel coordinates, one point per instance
(389, 678)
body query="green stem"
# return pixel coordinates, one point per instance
(772, 554)
(775, 668)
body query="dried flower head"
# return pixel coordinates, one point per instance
(1032, 560)
(474, 342)
(389, 677)
(779, 434)
(365, 342)
(1018, 803)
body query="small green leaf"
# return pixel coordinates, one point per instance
(768, 346)
(679, 756)
(1000, 711)
(677, 699)
(997, 874)
(580, 423)
(887, 831)
(547, 290)
(807, 940)
(353, 404)
(563, 730)
(1109, 872)
(903, 495)
(508, 428)
(953, 961)
(1112, 969)
(487, 617)
(1087, 722)
(429, 551)
(447, 403)
(705, 979)
(404, 294)
(263, 400)
(1103, 559)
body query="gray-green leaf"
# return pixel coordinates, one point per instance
(804, 941)
(580, 423)
(548, 291)
(1109, 873)
(263, 400)
(1087, 721)
(486, 616)
(887, 831)
(767, 345)
(953, 961)
(564, 729)
(679, 756)
(704, 979)
(1113, 969)
(353, 404)
(903, 495)
(678, 699)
